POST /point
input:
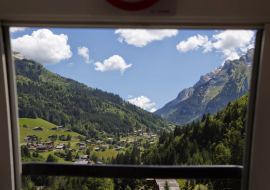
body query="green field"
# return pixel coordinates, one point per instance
(46, 130)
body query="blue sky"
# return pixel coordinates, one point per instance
(146, 67)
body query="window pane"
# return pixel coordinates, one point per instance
(133, 96)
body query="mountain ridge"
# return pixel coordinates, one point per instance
(212, 92)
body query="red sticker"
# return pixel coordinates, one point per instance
(132, 6)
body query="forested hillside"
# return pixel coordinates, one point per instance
(85, 110)
(212, 92)
(215, 140)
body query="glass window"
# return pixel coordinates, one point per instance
(132, 96)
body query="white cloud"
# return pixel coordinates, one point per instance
(83, 51)
(70, 64)
(16, 29)
(192, 43)
(142, 102)
(43, 46)
(142, 37)
(153, 110)
(130, 96)
(230, 43)
(115, 62)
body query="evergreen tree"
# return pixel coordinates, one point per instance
(69, 156)
(166, 187)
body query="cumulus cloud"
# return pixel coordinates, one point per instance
(153, 110)
(115, 62)
(16, 29)
(43, 46)
(192, 43)
(83, 51)
(142, 37)
(70, 64)
(142, 102)
(230, 43)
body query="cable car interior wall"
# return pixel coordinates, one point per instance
(175, 14)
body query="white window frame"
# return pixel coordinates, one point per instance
(257, 155)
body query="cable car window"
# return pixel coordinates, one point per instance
(132, 96)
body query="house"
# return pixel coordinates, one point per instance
(104, 146)
(37, 129)
(84, 157)
(98, 162)
(61, 127)
(32, 149)
(152, 143)
(111, 139)
(122, 141)
(54, 128)
(61, 136)
(160, 184)
(99, 142)
(119, 148)
(140, 140)
(32, 136)
(42, 148)
(59, 147)
(80, 161)
(68, 130)
(27, 139)
(154, 136)
(50, 144)
(88, 141)
(50, 136)
(81, 144)
(93, 144)
(82, 147)
(97, 149)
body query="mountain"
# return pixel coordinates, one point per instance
(62, 101)
(212, 92)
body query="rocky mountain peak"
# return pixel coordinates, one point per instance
(205, 78)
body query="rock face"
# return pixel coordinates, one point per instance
(18, 55)
(212, 92)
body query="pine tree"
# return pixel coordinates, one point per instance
(166, 187)
(69, 156)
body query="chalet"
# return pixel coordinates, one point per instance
(37, 129)
(68, 130)
(149, 137)
(122, 141)
(80, 161)
(119, 148)
(42, 148)
(84, 157)
(99, 142)
(61, 127)
(50, 144)
(61, 135)
(154, 136)
(50, 136)
(82, 144)
(93, 144)
(140, 140)
(54, 128)
(82, 147)
(32, 136)
(32, 149)
(97, 149)
(59, 147)
(99, 163)
(111, 139)
(88, 141)
(152, 143)
(27, 139)
(70, 149)
(104, 146)
(160, 184)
